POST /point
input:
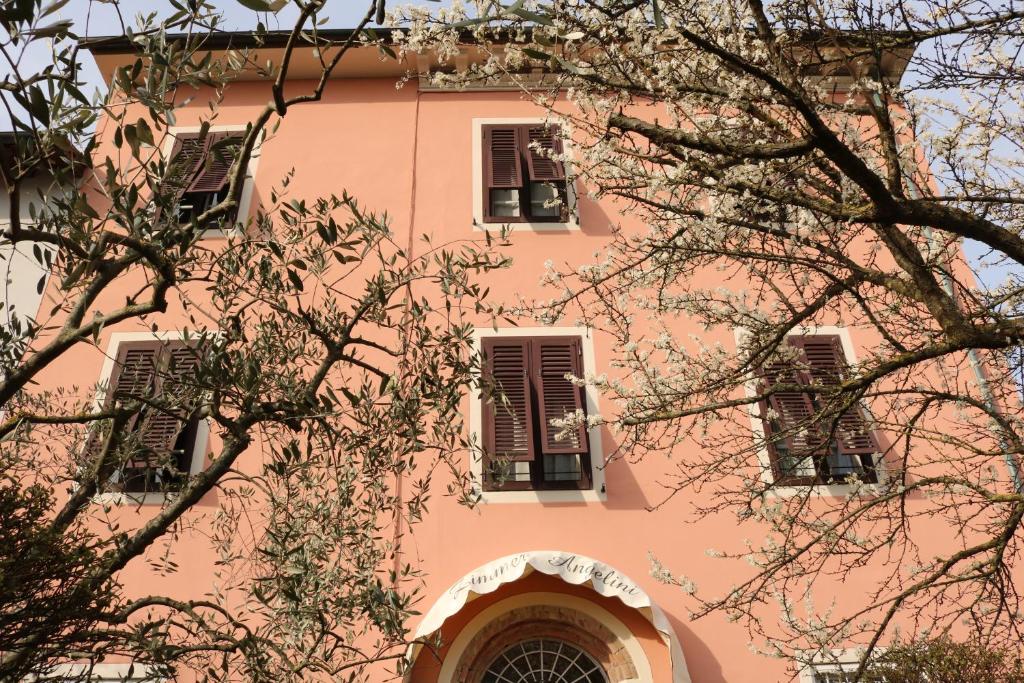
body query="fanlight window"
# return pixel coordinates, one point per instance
(544, 661)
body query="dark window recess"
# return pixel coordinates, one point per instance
(159, 441)
(521, 182)
(524, 390)
(806, 448)
(199, 172)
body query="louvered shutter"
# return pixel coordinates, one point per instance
(793, 408)
(540, 167)
(186, 158)
(133, 376)
(826, 361)
(502, 158)
(214, 169)
(508, 409)
(553, 359)
(161, 428)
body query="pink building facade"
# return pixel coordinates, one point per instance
(555, 561)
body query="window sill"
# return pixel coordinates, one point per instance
(127, 499)
(543, 497)
(569, 226)
(218, 234)
(824, 490)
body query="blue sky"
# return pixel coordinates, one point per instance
(97, 18)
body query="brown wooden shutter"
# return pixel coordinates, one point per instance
(132, 378)
(793, 408)
(152, 371)
(502, 158)
(134, 374)
(161, 428)
(827, 364)
(554, 358)
(187, 156)
(215, 167)
(540, 167)
(508, 413)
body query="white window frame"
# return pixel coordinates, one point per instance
(100, 673)
(202, 430)
(245, 198)
(478, 173)
(596, 493)
(836, 661)
(757, 425)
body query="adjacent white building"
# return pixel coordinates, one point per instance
(23, 268)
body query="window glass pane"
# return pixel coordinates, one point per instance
(545, 200)
(544, 660)
(505, 202)
(562, 467)
(793, 466)
(194, 204)
(510, 471)
(840, 466)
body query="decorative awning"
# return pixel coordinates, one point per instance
(569, 567)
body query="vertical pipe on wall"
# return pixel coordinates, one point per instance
(399, 521)
(972, 354)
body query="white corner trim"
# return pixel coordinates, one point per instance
(202, 432)
(593, 495)
(596, 612)
(763, 459)
(245, 199)
(478, 173)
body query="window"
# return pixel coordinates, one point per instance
(544, 660)
(161, 437)
(803, 451)
(200, 169)
(524, 390)
(521, 182)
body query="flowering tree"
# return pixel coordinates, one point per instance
(310, 350)
(944, 660)
(797, 165)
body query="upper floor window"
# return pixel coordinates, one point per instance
(802, 451)
(200, 170)
(525, 391)
(159, 441)
(521, 182)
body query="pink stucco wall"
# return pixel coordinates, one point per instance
(361, 139)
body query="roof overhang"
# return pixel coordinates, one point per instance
(839, 55)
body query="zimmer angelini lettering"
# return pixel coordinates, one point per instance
(569, 566)
(594, 571)
(492, 574)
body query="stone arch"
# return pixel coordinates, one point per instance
(546, 621)
(571, 568)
